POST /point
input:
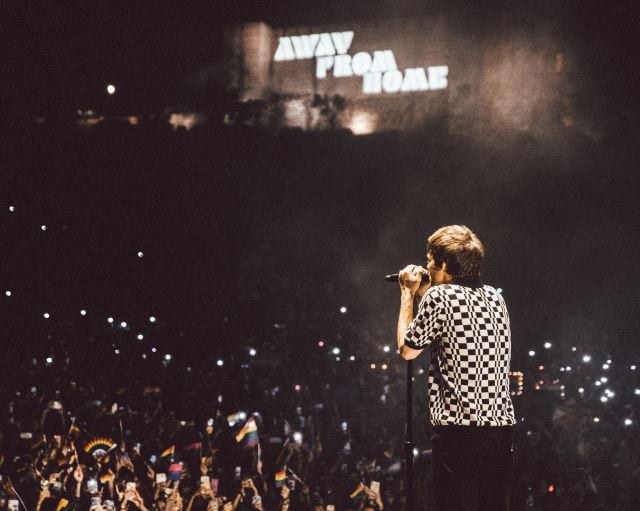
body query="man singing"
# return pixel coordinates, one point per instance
(466, 326)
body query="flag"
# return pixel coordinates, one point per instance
(99, 447)
(357, 490)
(170, 451)
(281, 477)
(248, 435)
(191, 447)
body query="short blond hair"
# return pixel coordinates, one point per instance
(459, 248)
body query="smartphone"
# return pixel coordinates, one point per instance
(131, 486)
(331, 507)
(256, 500)
(44, 484)
(161, 478)
(92, 485)
(238, 473)
(96, 502)
(13, 505)
(205, 481)
(375, 487)
(214, 485)
(109, 504)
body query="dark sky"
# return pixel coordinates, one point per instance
(558, 216)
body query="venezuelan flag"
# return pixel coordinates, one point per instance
(248, 435)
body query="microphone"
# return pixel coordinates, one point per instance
(395, 276)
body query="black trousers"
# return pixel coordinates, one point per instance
(472, 467)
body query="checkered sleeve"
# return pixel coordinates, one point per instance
(426, 326)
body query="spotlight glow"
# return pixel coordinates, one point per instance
(123, 324)
(7, 292)
(83, 312)
(46, 315)
(547, 345)
(336, 351)
(167, 357)
(532, 353)
(586, 358)
(152, 319)
(352, 358)
(140, 337)
(111, 89)
(12, 208)
(43, 227)
(140, 254)
(253, 352)
(386, 349)
(628, 422)
(220, 362)
(343, 309)
(109, 319)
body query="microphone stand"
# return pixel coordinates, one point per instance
(408, 444)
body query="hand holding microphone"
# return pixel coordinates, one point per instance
(412, 277)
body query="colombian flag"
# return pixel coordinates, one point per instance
(281, 477)
(248, 435)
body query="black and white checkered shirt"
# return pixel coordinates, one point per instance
(470, 338)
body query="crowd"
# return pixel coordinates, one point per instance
(100, 425)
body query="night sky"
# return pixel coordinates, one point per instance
(233, 219)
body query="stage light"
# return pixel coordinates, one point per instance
(7, 292)
(586, 358)
(253, 352)
(609, 361)
(220, 362)
(297, 387)
(541, 368)
(123, 324)
(338, 359)
(604, 379)
(598, 383)
(12, 209)
(116, 351)
(140, 254)
(140, 337)
(568, 368)
(596, 419)
(604, 399)
(633, 367)
(352, 358)
(373, 366)
(573, 348)
(420, 371)
(152, 319)
(46, 315)
(384, 367)
(167, 357)
(637, 392)
(144, 356)
(581, 390)
(532, 353)
(321, 344)
(111, 89)
(610, 393)
(605, 366)
(83, 312)
(343, 309)
(386, 349)
(43, 227)
(628, 422)
(547, 345)
(49, 360)
(154, 349)
(109, 319)
(415, 452)
(336, 351)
